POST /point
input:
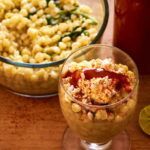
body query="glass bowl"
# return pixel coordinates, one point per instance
(41, 80)
(96, 126)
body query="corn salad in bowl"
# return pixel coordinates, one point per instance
(37, 35)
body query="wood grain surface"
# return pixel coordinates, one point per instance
(38, 124)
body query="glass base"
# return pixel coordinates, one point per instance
(34, 96)
(72, 142)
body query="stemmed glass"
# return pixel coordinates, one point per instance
(92, 134)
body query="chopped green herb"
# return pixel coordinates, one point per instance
(93, 20)
(52, 21)
(48, 2)
(75, 28)
(57, 3)
(74, 34)
(65, 15)
(86, 33)
(31, 14)
(62, 16)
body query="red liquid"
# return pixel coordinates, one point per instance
(119, 79)
(75, 76)
(132, 30)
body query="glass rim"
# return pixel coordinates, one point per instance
(55, 63)
(107, 105)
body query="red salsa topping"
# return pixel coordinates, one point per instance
(75, 76)
(120, 80)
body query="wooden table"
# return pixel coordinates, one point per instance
(38, 124)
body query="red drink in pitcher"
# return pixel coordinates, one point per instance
(132, 30)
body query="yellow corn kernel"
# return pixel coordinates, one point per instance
(8, 15)
(11, 49)
(34, 18)
(23, 2)
(56, 38)
(66, 39)
(21, 25)
(73, 17)
(8, 70)
(34, 78)
(56, 49)
(42, 3)
(37, 48)
(32, 10)
(28, 72)
(46, 76)
(47, 57)
(85, 9)
(44, 40)
(26, 51)
(76, 45)
(84, 41)
(39, 57)
(48, 50)
(40, 13)
(54, 74)
(63, 27)
(131, 104)
(62, 45)
(28, 6)
(34, 2)
(9, 4)
(1, 47)
(23, 12)
(25, 58)
(40, 73)
(101, 115)
(46, 30)
(76, 108)
(92, 31)
(124, 109)
(32, 60)
(33, 33)
(6, 43)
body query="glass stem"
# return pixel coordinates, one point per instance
(95, 146)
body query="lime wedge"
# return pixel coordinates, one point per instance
(144, 119)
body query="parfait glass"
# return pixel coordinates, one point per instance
(86, 132)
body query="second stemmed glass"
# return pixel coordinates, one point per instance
(97, 134)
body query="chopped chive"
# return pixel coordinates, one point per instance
(52, 21)
(75, 28)
(86, 33)
(74, 34)
(31, 14)
(48, 2)
(93, 20)
(62, 16)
